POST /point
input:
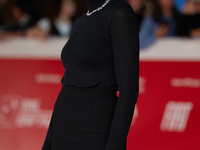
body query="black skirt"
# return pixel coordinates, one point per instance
(82, 118)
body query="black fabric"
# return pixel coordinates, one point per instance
(81, 118)
(102, 51)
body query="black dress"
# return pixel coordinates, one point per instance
(100, 57)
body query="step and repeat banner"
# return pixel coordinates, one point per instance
(166, 116)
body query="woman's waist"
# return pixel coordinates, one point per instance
(88, 92)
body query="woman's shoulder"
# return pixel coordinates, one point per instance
(122, 13)
(120, 10)
(121, 6)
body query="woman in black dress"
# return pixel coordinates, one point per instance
(100, 58)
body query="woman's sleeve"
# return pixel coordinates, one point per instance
(47, 142)
(124, 30)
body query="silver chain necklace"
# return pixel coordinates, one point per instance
(99, 8)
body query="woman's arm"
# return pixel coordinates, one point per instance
(124, 30)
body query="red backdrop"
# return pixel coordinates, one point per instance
(166, 115)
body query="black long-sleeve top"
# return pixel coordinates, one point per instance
(103, 50)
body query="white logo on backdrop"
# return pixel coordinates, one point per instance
(22, 112)
(142, 82)
(185, 82)
(176, 115)
(135, 115)
(48, 78)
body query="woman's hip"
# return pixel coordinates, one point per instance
(84, 114)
